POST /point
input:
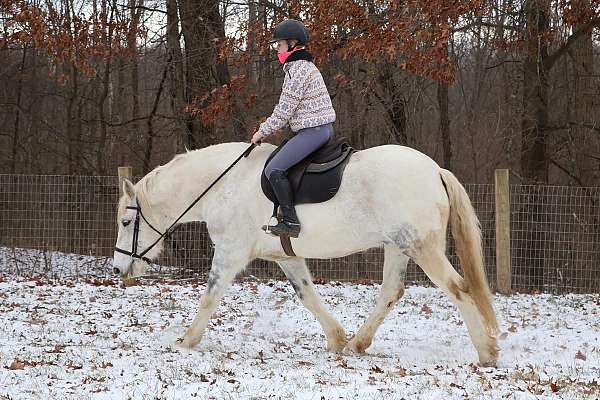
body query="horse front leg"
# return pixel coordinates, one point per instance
(298, 274)
(226, 264)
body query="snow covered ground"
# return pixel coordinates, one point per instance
(32, 263)
(52, 264)
(99, 340)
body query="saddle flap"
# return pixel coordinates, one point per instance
(325, 164)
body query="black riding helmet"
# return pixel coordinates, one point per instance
(291, 29)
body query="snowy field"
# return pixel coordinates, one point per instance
(99, 340)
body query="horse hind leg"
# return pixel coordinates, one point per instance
(299, 276)
(437, 267)
(392, 289)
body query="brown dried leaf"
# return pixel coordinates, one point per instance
(376, 369)
(261, 356)
(72, 365)
(128, 282)
(37, 321)
(426, 310)
(17, 365)
(343, 363)
(305, 363)
(57, 349)
(580, 356)
(253, 287)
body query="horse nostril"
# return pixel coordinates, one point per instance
(116, 271)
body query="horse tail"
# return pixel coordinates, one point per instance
(466, 231)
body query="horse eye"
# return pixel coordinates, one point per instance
(126, 222)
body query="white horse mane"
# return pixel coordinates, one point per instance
(148, 182)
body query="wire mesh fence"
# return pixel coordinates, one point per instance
(44, 217)
(65, 226)
(555, 238)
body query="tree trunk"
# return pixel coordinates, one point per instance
(150, 132)
(16, 138)
(393, 103)
(176, 84)
(584, 138)
(133, 62)
(202, 28)
(34, 130)
(72, 135)
(397, 114)
(101, 125)
(252, 66)
(263, 64)
(534, 123)
(442, 97)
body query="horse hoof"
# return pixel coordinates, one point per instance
(185, 343)
(488, 363)
(358, 346)
(336, 346)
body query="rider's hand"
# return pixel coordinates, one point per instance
(256, 138)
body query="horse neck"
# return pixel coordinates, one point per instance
(177, 184)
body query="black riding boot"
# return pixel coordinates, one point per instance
(290, 226)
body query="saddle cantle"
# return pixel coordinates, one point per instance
(317, 178)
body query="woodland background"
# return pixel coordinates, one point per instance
(89, 85)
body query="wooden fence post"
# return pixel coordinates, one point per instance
(503, 259)
(124, 172)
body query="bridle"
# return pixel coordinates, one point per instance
(136, 232)
(138, 213)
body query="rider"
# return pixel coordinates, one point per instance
(305, 105)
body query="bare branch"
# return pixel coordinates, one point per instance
(567, 172)
(584, 29)
(486, 24)
(143, 8)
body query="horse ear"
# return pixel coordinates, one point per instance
(128, 188)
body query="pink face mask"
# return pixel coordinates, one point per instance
(284, 56)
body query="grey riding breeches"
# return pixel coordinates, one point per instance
(303, 143)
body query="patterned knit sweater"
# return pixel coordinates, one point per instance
(304, 100)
